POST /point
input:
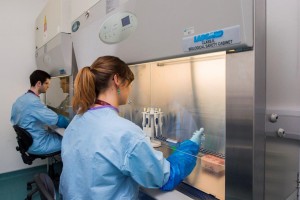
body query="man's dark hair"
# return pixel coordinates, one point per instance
(38, 75)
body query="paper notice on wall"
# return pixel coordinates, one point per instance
(45, 34)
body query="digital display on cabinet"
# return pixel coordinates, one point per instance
(125, 21)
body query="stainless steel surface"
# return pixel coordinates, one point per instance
(185, 90)
(140, 95)
(288, 121)
(294, 196)
(282, 159)
(282, 155)
(232, 111)
(259, 99)
(245, 115)
(205, 180)
(283, 98)
(239, 125)
(244, 129)
(186, 95)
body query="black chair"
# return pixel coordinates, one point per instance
(45, 186)
(25, 140)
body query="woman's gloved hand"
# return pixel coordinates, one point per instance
(183, 160)
(197, 136)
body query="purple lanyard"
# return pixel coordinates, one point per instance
(30, 91)
(103, 104)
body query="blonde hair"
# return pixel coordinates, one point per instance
(91, 81)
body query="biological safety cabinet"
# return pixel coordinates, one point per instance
(53, 39)
(201, 64)
(54, 54)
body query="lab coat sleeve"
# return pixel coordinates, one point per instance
(146, 166)
(44, 114)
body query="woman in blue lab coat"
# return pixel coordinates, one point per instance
(106, 156)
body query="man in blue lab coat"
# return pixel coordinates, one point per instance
(29, 113)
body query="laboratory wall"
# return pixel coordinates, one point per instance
(282, 98)
(17, 53)
(283, 56)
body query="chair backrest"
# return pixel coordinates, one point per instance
(24, 138)
(45, 186)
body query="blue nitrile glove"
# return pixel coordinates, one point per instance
(182, 163)
(197, 136)
(62, 122)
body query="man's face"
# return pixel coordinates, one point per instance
(64, 85)
(44, 87)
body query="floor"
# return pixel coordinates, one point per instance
(13, 184)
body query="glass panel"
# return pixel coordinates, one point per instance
(58, 95)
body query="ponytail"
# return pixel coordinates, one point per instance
(84, 91)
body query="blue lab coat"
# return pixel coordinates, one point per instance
(30, 113)
(107, 157)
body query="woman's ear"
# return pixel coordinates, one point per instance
(116, 80)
